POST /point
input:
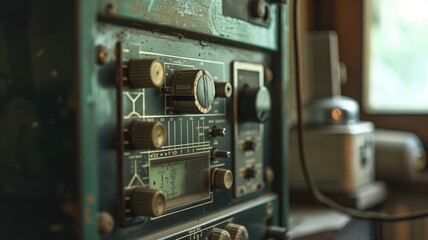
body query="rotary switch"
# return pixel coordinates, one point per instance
(145, 73)
(237, 232)
(221, 178)
(147, 135)
(219, 234)
(193, 91)
(254, 104)
(147, 202)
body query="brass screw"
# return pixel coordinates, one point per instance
(105, 223)
(259, 8)
(269, 208)
(111, 8)
(102, 55)
(269, 175)
(268, 75)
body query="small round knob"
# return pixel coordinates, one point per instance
(218, 132)
(249, 145)
(237, 232)
(250, 173)
(221, 153)
(223, 89)
(145, 73)
(193, 91)
(147, 135)
(222, 178)
(254, 104)
(277, 232)
(219, 234)
(147, 202)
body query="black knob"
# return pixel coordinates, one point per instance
(193, 91)
(221, 178)
(237, 232)
(147, 202)
(254, 104)
(218, 132)
(249, 145)
(147, 135)
(219, 234)
(223, 89)
(250, 173)
(145, 73)
(277, 232)
(220, 153)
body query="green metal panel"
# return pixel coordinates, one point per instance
(201, 17)
(86, 81)
(58, 108)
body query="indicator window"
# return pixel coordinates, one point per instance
(183, 180)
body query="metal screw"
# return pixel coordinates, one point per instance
(105, 223)
(268, 75)
(111, 8)
(102, 55)
(259, 8)
(269, 175)
(269, 208)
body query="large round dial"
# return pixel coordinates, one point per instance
(254, 104)
(193, 91)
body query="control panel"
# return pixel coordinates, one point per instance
(190, 128)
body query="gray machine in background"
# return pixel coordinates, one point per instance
(400, 157)
(339, 147)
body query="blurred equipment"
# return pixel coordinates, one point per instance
(400, 157)
(143, 119)
(339, 146)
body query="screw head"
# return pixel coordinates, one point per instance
(103, 56)
(105, 223)
(110, 8)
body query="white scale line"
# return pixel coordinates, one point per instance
(187, 144)
(144, 102)
(181, 155)
(198, 131)
(181, 131)
(193, 59)
(193, 134)
(175, 135)
(169, 133)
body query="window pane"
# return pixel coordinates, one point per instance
(398, 56)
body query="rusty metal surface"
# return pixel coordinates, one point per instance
(200, 17)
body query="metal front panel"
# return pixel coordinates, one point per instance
(186, 17)
(67, 163)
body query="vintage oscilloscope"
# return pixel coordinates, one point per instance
(144, 119)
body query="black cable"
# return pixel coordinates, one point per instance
(369, 215)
